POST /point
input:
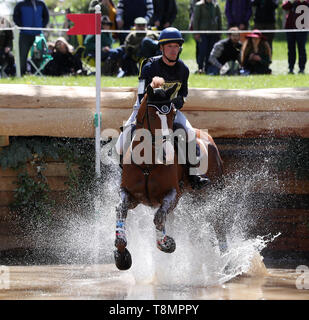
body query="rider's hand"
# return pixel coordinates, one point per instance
(178, 102)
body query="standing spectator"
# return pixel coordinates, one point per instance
(164, 15)
(107, 9)
(265, 17)
(294, 38)
(29, 13)
(191, 19)
(64, 62)
(128, 11)
(6, 44)
(226, 51)
(256, 54)
(238, 13)
(207, 16)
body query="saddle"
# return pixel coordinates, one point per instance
(182, 156)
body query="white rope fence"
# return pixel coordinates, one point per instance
(182, 31)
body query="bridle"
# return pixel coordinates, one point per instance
(166, 107)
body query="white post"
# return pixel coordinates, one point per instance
(16, 32)
(98, 91)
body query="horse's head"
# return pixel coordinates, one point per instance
(160, 110)
(160, 99)
(160, 114)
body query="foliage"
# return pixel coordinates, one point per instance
(75, 6)
(182, 19)
(26, 149)
(31, 199)
(33, 203)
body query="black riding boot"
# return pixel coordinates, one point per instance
(198, 182)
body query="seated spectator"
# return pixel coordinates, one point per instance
(164, 13)
(226, 51)
(64, 62)
(106, 40)
(256, 54)
(6, 44)
(50, 47)
(137, 46)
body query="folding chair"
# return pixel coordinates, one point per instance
(39, 56)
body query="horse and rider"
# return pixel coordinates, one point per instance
(159, 183)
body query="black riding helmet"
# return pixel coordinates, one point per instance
(171, 35)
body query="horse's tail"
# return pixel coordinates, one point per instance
(213, 151)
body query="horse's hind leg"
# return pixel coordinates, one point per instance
(164, 242)
(122, 255)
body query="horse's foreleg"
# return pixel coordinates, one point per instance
(164, 242)
(121, 215)
(122, 255)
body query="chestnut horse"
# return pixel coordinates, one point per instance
(154, 180)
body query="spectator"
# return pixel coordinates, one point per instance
(50, 47)
(29, 13)
(294, 38)
(164, 15)
(106, 40)
(6, 44)
(128, 11)
(256, 54)
(238, 13)
(207, 16)
(137, 46)
(265, 17)
(226, 51)
(107, 9)
(191, 19)
(64, 62)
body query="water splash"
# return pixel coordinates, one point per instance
(212, 235)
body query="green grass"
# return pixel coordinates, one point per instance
(279, 78)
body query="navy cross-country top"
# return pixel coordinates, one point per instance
(178, 73)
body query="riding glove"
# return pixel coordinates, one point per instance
(178, 102)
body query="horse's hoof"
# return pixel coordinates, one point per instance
(167, 244)
(120, 243)
(123, 259)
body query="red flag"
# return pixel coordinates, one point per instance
(85, 23)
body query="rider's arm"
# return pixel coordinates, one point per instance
(183, 91)
(144, 80)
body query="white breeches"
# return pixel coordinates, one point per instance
(179, 119)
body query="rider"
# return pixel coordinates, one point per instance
(173, 71)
